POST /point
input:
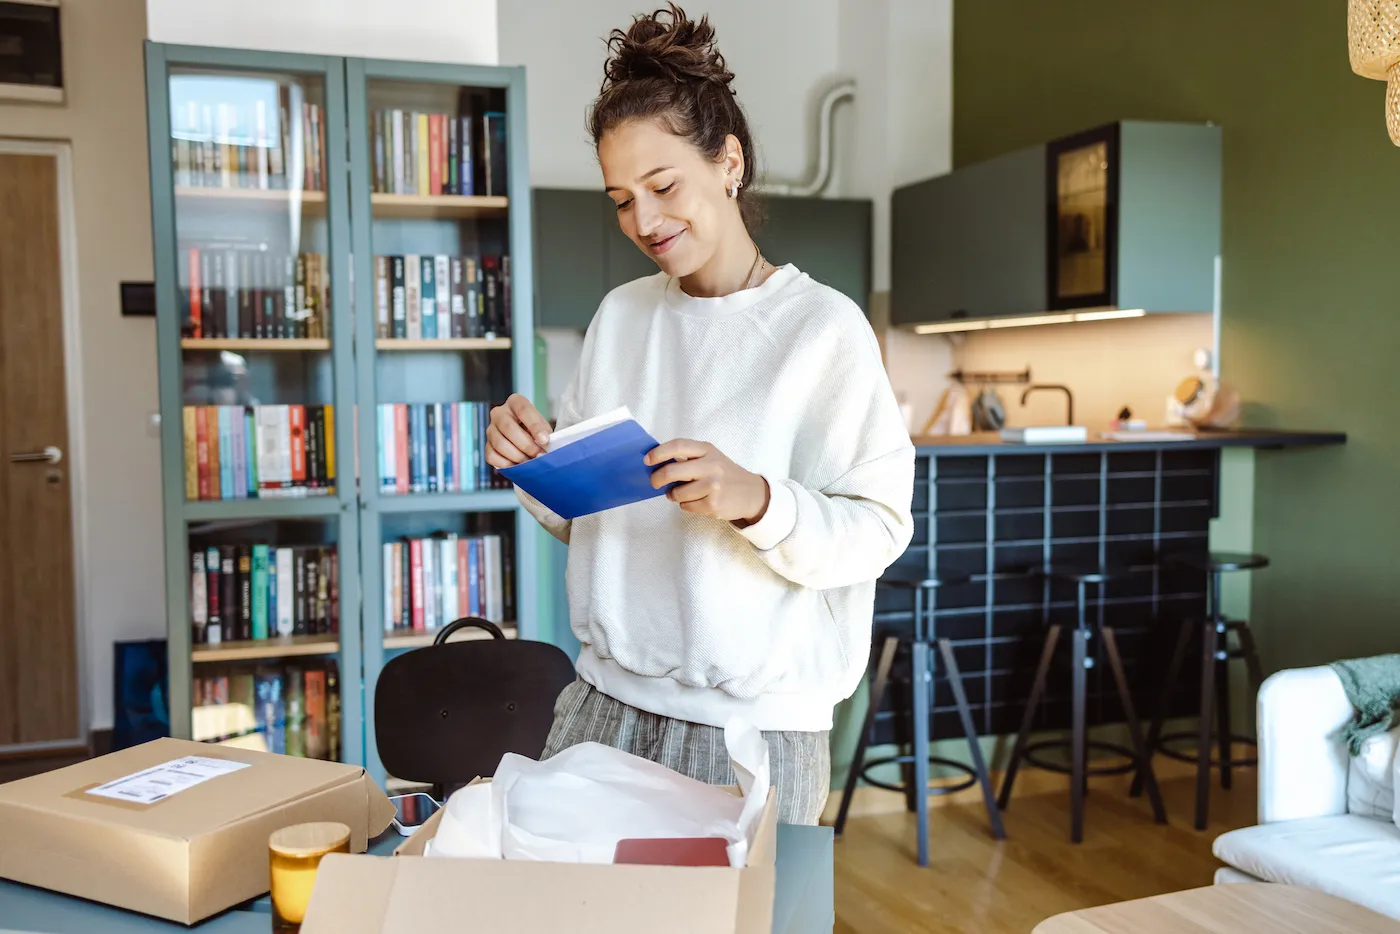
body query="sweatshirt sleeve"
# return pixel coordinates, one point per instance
(849, 529)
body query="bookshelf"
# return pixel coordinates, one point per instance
(265, 192)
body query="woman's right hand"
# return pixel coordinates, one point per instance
(517, 433)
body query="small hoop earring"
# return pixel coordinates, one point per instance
(734, 190)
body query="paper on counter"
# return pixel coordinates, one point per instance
(576, 806)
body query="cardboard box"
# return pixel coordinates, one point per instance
(180, 843)
(410, 894)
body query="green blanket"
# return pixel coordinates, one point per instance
(1373, 687)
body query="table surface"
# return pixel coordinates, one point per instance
(802, 898)
(1244, 908)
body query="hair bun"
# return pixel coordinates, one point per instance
(667, 45)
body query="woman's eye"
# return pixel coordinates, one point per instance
(662, 191)
(623, 205)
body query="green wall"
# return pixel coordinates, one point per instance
(1311, 243)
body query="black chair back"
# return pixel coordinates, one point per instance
(445, 714)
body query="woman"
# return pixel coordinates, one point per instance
(749, 589)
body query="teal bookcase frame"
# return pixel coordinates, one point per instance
(373, 506)
(357, 511)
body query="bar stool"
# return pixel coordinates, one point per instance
(1079, 743)
(1216, 655)
(922, 668)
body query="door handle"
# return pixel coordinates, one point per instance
(49, 455)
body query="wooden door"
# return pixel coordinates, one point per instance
(39, 696)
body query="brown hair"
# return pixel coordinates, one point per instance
(665, 67)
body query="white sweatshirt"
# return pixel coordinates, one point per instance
(688, 616)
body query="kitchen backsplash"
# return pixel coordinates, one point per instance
(1134, 362)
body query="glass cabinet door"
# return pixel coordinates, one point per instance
(254, 238)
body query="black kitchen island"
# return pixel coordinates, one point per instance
(1000, 511)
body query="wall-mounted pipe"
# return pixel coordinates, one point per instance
(826, 144)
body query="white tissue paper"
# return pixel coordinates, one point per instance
(576, 806)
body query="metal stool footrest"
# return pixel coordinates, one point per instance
(932, 760)
(1191, 757)
(1129, 766)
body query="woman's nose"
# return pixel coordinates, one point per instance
(648, 217)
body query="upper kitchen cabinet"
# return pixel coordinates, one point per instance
(1123, 217)
(582, 253)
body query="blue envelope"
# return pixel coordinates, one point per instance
(597, 472)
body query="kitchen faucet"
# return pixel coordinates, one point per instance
(1069, 398)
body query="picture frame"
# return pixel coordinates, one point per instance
(1081, 214)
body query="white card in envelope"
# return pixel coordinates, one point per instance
(576, 806)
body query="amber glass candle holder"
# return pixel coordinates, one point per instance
(294, 854)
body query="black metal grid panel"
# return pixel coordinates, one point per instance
(995, 516)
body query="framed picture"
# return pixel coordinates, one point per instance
(1082, 219)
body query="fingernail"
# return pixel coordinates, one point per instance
(542, 438)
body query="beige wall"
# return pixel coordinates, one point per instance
(1106, 364)
(119, 505)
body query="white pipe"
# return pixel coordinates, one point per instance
(825, 144)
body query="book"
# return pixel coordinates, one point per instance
(447, 423)
(434, 145)
(491, 292)
(259, 585)
(239, 449)
(213, 569)
(420, 154)
(475, 326)
(286, 585)
(299, 611)
(333, 711)
(415, 551)
(398, 298)
(294, 698)
(427, 291)
(447, 569)
(270, 711)
(245, 592)
(429, 557)
(228, 596)
(270, 589)
(191, 438)
(314, 617)
(493, 572)
(591, 467)
(225, 460)
(442, 293)
(199, 597)
(388, 585)
(402, 475)
(493, 149)
(413, 285)
(466, 171)
(457, 298)
(383, 325)
(314, 688)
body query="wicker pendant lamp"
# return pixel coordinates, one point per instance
(1373, 40)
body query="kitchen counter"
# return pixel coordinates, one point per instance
(998, 511)
(986, 441)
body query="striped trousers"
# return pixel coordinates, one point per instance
(800, 763)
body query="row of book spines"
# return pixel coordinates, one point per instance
(297, 708)
(438, 154)
(226, 146)
(435, 448)
(259, 452)
(243, 592)
(254, 293)
(428, 297)
(429, 582)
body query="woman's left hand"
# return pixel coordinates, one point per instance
(707, 482)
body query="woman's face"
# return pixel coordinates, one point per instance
(671, 198)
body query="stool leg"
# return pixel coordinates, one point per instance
(921, 672)
(1208, 643)
(1144, 752)
(1077, 741)
(1154, 732)
(1251, 655)
(877, 695)
(954, 677)
(1222, 705)
(906, 770)
(1047, 654)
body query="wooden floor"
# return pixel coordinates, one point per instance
(975, 885)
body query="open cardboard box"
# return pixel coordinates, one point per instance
(408, 893)
(191, 853)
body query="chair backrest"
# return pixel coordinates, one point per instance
(446, 714)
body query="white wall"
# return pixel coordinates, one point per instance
(782, 52)
(460, 31)
(118, 454)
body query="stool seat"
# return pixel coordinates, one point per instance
(1082, 573)
(1220, 561)
(920, 578)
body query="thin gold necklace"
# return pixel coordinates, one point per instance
(757, 259)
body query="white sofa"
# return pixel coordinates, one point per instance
(1326, 821)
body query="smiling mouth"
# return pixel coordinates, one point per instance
(657, 247)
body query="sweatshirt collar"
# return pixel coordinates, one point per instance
(678, 300)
